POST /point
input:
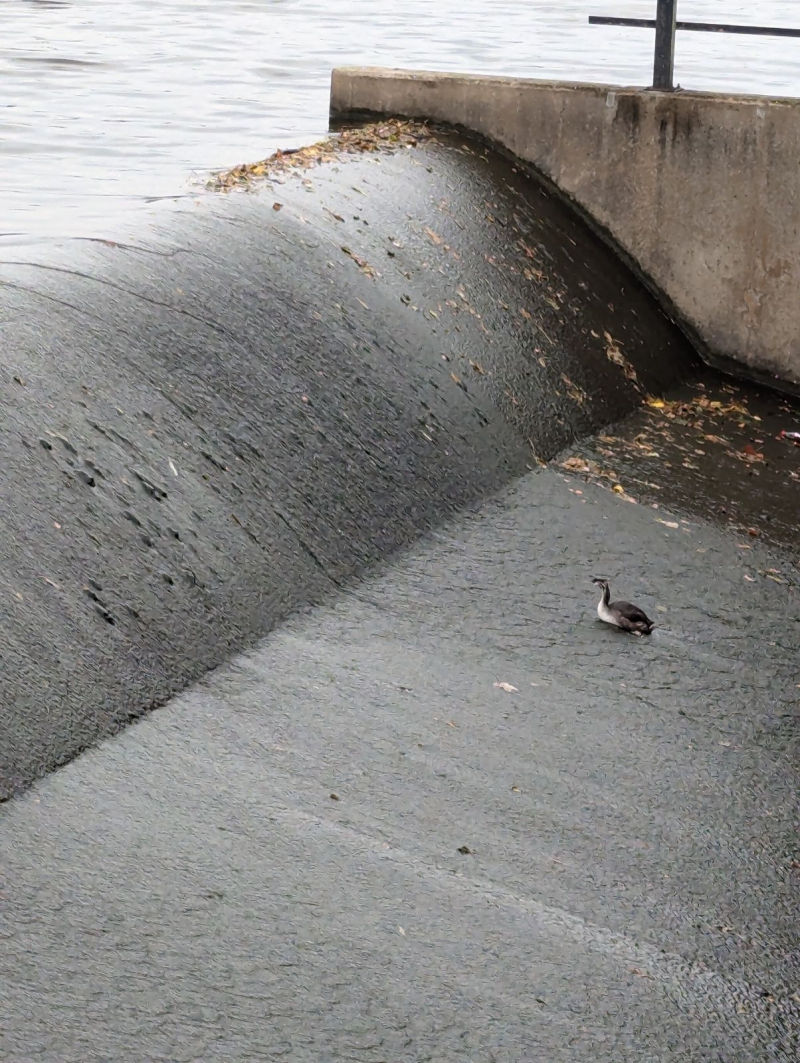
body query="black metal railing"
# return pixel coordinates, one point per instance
(666, 24)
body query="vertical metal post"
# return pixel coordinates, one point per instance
(666, 17)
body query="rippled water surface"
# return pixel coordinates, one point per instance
(108, 105)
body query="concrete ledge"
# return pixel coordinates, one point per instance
(701, 190)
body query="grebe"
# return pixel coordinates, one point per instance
(622, 614)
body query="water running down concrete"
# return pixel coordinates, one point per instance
(445, 814)
(315, 384)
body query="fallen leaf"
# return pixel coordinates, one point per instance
(576, 393)
(362, 263)
(464, 850)
(277, 206)
(401, 931)
(667, 523)
(505, 686)
(657, 404)
(516, 790)
(615, 355)
(575, 465)
(750, 579)
(456, 378)
(751, 454)
(618, 489)
(334, 797)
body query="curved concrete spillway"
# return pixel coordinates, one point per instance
(207, 430)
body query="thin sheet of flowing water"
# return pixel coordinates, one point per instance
(108, 106)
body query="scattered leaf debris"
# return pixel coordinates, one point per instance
(505, 686)
(615, 355)
(369, 139)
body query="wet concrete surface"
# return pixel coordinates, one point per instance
(716, 449)
(355, 843)
(440, 812)
(226, 420)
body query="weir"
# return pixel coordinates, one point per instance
(210, 428)
(440, 812)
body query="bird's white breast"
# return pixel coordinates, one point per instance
(605, 614)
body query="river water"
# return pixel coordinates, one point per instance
(107, 107)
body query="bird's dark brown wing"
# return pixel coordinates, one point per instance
(631, 612)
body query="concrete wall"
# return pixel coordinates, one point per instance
(701, 190)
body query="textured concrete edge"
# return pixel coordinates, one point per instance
(614, 153)
(593, 88)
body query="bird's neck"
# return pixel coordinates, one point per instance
(606, 598)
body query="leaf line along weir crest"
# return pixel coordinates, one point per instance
(209, 431)
(440, 813)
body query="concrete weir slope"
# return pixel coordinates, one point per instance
(208, 427)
